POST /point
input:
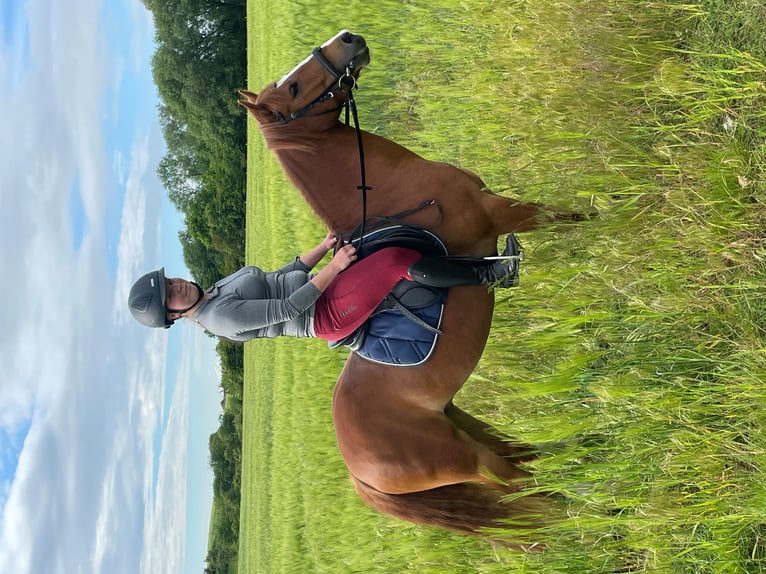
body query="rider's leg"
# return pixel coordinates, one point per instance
(357, 292)
(437, 272)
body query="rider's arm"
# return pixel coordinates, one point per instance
(314, 256)
(342, 259)
(243, 313)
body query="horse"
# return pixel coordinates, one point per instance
(410, 451)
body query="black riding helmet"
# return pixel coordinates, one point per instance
(147, 300)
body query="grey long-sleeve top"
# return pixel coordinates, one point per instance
(253, 304)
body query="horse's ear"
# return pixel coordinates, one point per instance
(247, 95)
(261, 114)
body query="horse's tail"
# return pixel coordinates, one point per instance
(466, 507)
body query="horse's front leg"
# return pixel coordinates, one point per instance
(511, 216)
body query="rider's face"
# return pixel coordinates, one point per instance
(179, 294)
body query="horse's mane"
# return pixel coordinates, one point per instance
(288, 137)
(292, 136)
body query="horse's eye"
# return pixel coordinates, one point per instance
(293, 89)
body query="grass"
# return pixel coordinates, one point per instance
(632, 352)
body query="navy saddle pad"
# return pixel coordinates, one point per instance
(393, 339)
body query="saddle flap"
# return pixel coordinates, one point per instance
(412, 295)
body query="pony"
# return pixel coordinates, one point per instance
(409, 450)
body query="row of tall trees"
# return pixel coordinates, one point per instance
(199, 62)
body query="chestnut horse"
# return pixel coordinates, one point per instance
(410, 452)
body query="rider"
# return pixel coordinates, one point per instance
(252, 304)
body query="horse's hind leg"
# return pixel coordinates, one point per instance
(431, 451)
(484, 434)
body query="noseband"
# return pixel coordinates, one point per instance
(343, 82)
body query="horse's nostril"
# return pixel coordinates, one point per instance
(347, 37)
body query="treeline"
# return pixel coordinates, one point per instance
(199, 62)
(226, 462)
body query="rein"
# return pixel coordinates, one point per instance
(351, 105)
(345, 83)
(395, 218)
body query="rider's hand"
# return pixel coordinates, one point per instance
(329, 241)
(344, 257)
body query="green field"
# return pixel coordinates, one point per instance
(633, 351)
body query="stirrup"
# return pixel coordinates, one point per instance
(511, 257)
(511, 279)
(513, 250)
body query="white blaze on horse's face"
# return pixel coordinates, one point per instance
(291, 72)
(353, 53)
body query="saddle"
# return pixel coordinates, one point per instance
(403, 330)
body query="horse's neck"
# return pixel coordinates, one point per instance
(327, 172)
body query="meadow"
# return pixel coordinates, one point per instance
(632, 352)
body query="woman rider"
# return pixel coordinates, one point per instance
(252, 304)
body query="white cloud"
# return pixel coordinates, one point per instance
(166, 513)
(131, 247)
(118, 166)
(38, 170)
(143, 38)
(106, 529)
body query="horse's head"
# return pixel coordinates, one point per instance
(316, 86)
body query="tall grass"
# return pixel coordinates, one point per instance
(633, 351)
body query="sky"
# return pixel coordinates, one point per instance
(104, 424)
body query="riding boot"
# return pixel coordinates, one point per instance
(439, 272)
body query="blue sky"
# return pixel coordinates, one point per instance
(103, 424)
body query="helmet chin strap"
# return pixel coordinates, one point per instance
(200, 295)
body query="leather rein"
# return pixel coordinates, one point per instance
(345, 83)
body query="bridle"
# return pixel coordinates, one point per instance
(342, 82)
